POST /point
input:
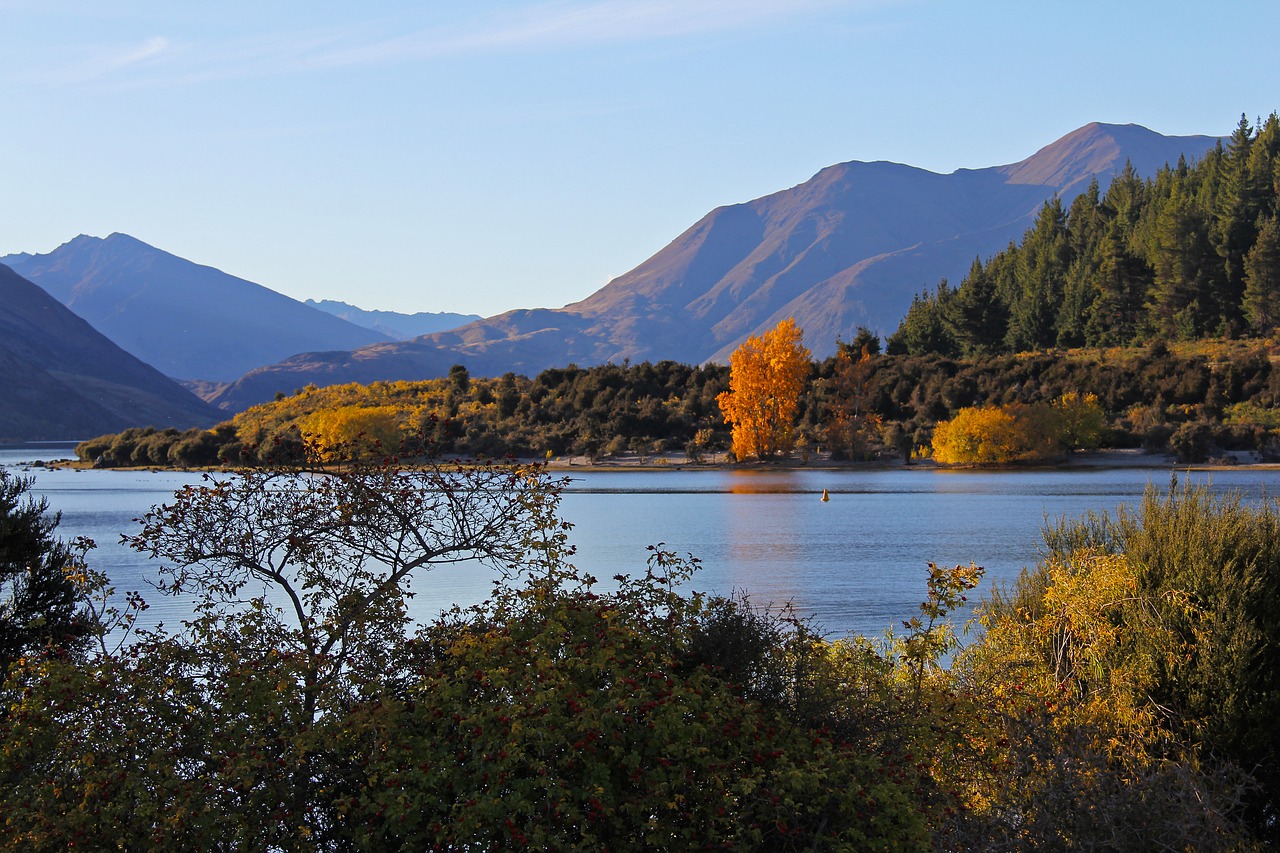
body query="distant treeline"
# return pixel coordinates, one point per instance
(1192, 253)
(1195, 399)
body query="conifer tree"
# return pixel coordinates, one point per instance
(976, 315)
(1262, 279)
(39, 602)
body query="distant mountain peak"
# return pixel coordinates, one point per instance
(188, 320)
(393, 324)
(1101, 150)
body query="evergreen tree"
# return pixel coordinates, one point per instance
(1181, 305)
(865, 341)
(1086, 224)
(923, 330)
(1122, 281)
(1236, 207)
(976, 316)
(38, 600)
(1262, 279)
(1041, 273)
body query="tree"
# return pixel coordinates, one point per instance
(556, 717)
(301, 574)
(1123, 280)
(923, 330)
(1080, 421)
(39, 599)
(767, 375)
(850, 421)
(459, 378)
(977, 317)
(372, 432)
(1262, 279)
(996, 435)
(865, 340)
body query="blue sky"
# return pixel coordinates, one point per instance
(483, 156)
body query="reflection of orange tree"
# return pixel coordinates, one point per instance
(768, 373)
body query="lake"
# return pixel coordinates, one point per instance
(856, 563)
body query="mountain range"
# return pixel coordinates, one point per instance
(187, 320)
(393, 324)
(61, 379)
(849, 247)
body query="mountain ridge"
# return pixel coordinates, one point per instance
(850, 246)
(61, 379)
(395, 325)
(189, 320)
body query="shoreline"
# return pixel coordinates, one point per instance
(1097, 459)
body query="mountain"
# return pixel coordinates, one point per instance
(187, 320)
(848, 247)
(61, 379)
(393, 324)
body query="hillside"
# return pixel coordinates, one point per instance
(849, 247)
(187, 320)
(60, 379)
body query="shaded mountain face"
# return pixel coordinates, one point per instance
(848, 247)
(393, 324)
(187, 320)
(61, 379)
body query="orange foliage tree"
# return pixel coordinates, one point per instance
(767, 374)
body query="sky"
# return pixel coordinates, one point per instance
(482, 156)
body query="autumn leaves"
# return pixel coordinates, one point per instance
(768, 374)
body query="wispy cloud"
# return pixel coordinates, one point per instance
(566, 24)
(554, 24)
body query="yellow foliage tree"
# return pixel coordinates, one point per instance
(767, 374)
(1081, 421)
(996, 435)
(362, 431)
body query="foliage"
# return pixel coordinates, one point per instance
(996, 435)
(851, 426)
(1080, 421)
(39, 598)
(767, 375)
(370, 432)
(1210, 567)
(1121, 697)
(627, 408)
(555, 717)
(1085, 756)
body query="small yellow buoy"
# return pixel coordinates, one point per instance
(825, 497)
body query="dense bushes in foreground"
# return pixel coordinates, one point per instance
(1123, 695)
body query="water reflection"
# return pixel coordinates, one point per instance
(855, 564)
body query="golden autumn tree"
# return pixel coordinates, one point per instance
(367, 431)
(996, 435)
(767, 374)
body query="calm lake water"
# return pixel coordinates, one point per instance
(857, 563)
